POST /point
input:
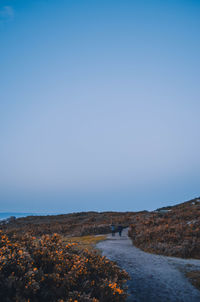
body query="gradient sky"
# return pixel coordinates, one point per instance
(99, 104)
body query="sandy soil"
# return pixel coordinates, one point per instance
(154, 278)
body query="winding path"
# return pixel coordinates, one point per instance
(154, 278)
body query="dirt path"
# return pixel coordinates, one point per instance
(154, 278)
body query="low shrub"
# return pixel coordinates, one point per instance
(46, 269)
(175, 232)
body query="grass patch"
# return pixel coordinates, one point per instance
(194, 277)
(88, 242)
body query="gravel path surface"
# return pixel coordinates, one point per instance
(154, 278)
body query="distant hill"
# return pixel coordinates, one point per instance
(75, 224)
(181, 205)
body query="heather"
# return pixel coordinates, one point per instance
(75, 224)
(171, 231)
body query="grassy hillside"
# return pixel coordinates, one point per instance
(76, 224)
(172, 231)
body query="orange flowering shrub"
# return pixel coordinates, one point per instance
(45, 269)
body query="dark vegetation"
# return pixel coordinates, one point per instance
(171, 231)
(194, 277)
(76, 224)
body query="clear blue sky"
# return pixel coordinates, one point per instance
(99, 104)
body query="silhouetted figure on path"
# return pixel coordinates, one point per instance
(113, 229)
(120, 228)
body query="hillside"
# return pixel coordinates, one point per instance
(171, 231)
(75, 224)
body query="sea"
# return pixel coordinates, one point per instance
(6, 215)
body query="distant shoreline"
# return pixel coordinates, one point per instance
(6, 215)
